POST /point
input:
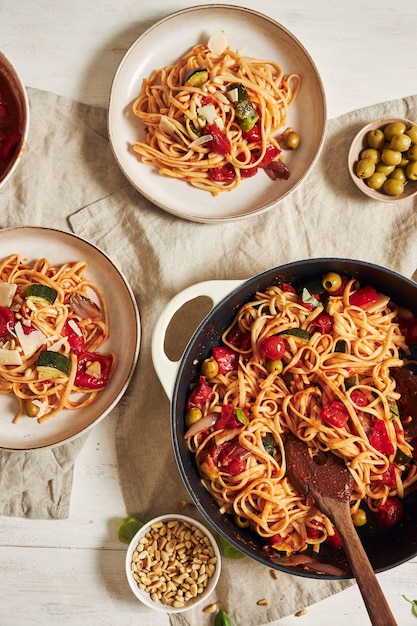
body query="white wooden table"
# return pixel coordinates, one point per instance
(72, 571)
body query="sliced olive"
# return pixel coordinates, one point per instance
(332, 281)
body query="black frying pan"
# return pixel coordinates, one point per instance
(386, 548)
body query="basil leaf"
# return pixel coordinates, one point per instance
(222, 619)
(241, 416)
(413, 605)
(128, 529)
(308, 298)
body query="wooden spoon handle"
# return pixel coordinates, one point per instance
(376, 604)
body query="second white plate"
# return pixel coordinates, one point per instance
(164, 43)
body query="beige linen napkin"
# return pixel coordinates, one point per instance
(68, 164)
(161, 255)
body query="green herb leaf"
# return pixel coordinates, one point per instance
(222, 619)
(308, 298)
(128, 529)
(413, 605)
(393, 406)
(229, 551)
(241, 416)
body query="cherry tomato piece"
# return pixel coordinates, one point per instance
(390, 513)
(335, 413)
(273, 348)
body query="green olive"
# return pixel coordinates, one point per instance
(399, 174)
(400, 142)
(376, 180)
(411, 171)
(412, 152)
(291, 140)
(274, 366)
(412, 133)
(242, 522)
(209, 368)
(391, 157)
(376, 138)
(365, 168)
(332, 281)
(395, 128)
(359, 518)
(372, 154)
(31, 409)
(192, 416)
(384, 169)
(393, 187)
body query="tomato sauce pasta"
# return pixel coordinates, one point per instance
(212, 118)
(317, 364)
(52, 322)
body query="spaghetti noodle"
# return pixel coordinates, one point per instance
(212, 118)
(328, 382)
(52, 322)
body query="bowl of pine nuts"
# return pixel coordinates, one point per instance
(173, 563)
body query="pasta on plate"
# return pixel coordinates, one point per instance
(53, 320)
(317, 362)
(213, 118)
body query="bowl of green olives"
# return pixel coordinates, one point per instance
(383, 159)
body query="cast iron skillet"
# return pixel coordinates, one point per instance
(386, 548)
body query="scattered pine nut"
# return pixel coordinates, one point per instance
(301, 613)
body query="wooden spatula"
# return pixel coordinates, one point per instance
(330, 486)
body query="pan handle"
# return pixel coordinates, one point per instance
(166, 369)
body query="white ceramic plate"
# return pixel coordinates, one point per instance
(167, 41)
(34, 243)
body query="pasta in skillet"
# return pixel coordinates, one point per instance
(315, 365)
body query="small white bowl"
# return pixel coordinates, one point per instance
(18, 90)
(191, 558)
(358, 144)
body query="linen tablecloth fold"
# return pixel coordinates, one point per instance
(161, 255)
(68, 163)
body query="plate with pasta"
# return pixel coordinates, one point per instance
(216, 113)
(69, 337)
(324, 350)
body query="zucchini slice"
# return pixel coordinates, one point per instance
(52, 364)
(196, 77)
(300, 333)
(43, 295)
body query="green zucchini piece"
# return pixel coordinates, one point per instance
(340, 346)
(52, 364)
(41, 294)
(300, 333)
(197, 77)
(401, 457)
(351, 381)
(244, 110)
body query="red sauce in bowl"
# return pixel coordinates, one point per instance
(10, 124)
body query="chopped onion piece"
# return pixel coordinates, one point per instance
(200, 425)
(84, 307)
(7, 292)
(201, 141)
(10, 357)
(233, 95)
(217, 43)
(166, 126)
(208, 111)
